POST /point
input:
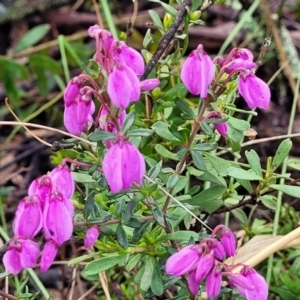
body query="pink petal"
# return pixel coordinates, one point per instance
(134, 84)
(48, 255)
(29, 253)
(71, 121)
(12, 261)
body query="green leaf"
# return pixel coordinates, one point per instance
(103, 264)
(205, 147)
(154, 171)
(81, 258)
(158, 215)
(98, 136)
(219, 164)
(181, 235)
(281, 153)
(32, 36)
(138, 232)
(90, 207)
(269, 201)
(162, 129)
(240, 215)
(293, 191)
(128, 212)
(294, 164)
(180, 185)
(140, 132)
(242, 174)
(161, 150)
(133, 262)
(128, 122)
(82, 178)
(168, 8)
(146, 278)
(198, 160)
(172, 180)
(122, 237)
(291, 281)
(254, 162)
(156, 20)
(185, 108)
(156, 282)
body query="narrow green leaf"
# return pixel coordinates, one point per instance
(128, 122)
(242, 174)
(128, 212)
(156, 282)
(82, 178)
(181, 235)
(154, 171)
(198, 160)
(156, 20)
(281, 153)
(205, 147)
(182, 182)
(98, 136)
(168, 8)
(158, 215)
(219, 164)
(254, 162)
(32, 36)
(138, 232)
(146, 279)
(294, 164)
(133, 262)
(141, 132)
(240, 215)
(81, 258)
(161, 150)
(269, 201)
(190, 115)
(172, 180)
(103, 264)
(293, 191)
(162, 129)
(122, 237)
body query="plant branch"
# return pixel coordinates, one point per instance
(167, 38)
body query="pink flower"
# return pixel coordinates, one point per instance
(105, 122)
(243, 53)
(228, 241)
(42, 187)
(193, 284)
(183, 261)
(213, 282)
(58, 223)
(222, 128)
(204, 267)
(219, 252)
(91, 236)
(259, 284)
(149, 84)
(28, 218)
(239, 64)
(198, 72)
(123, 165)
(21, 254)
(48, 255)
(254, 90)
(72, 90)
(240, 282)
(123, 86)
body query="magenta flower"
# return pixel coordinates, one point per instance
(213, 282)
(91, 236)
(228, 241)
(41, 187)
(123, 86)
(243, 53)
(72, 90)
(105, 122)
(240, 282)
(149, 84)
(222, 128)
(204, 267)
(21, 254)
(183, 261)
(58, 223)
(254, 90)
(198, 72)
(239, 64)
(48, 255)
(193, 284)
(217, 247)
(123, 165)
(28, 218)
(259, 285)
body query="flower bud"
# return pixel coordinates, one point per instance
(193, 284)
(205, 265)
(228, 241)
(222, 128)
(91, 236)
(195, 15)
(168, 20)
(149, 84)
(213, 282)
(72, 90)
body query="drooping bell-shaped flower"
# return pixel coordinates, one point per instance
(28, 219)
(42, 187)
(58, 223)
(149, 84)
(239, 64)
(48, 255)
(254, 90)
(123, 165)
(222, 128)
(259, 284)
(91, 236)
(198, 72)
(228, 241)
(132, 58)
(193, 284)
(217, 247)
(72, 90)
(123, 86)
(240, 282)
(183, 261)
(21, 254)
(243, 53)
(213, 282)
(205, 266)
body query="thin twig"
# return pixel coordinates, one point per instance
(8, 296)
(167, 38)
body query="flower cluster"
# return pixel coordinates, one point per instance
(204, 261)
(47, 207)
(120, 66)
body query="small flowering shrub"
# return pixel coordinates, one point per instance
(150, 167)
